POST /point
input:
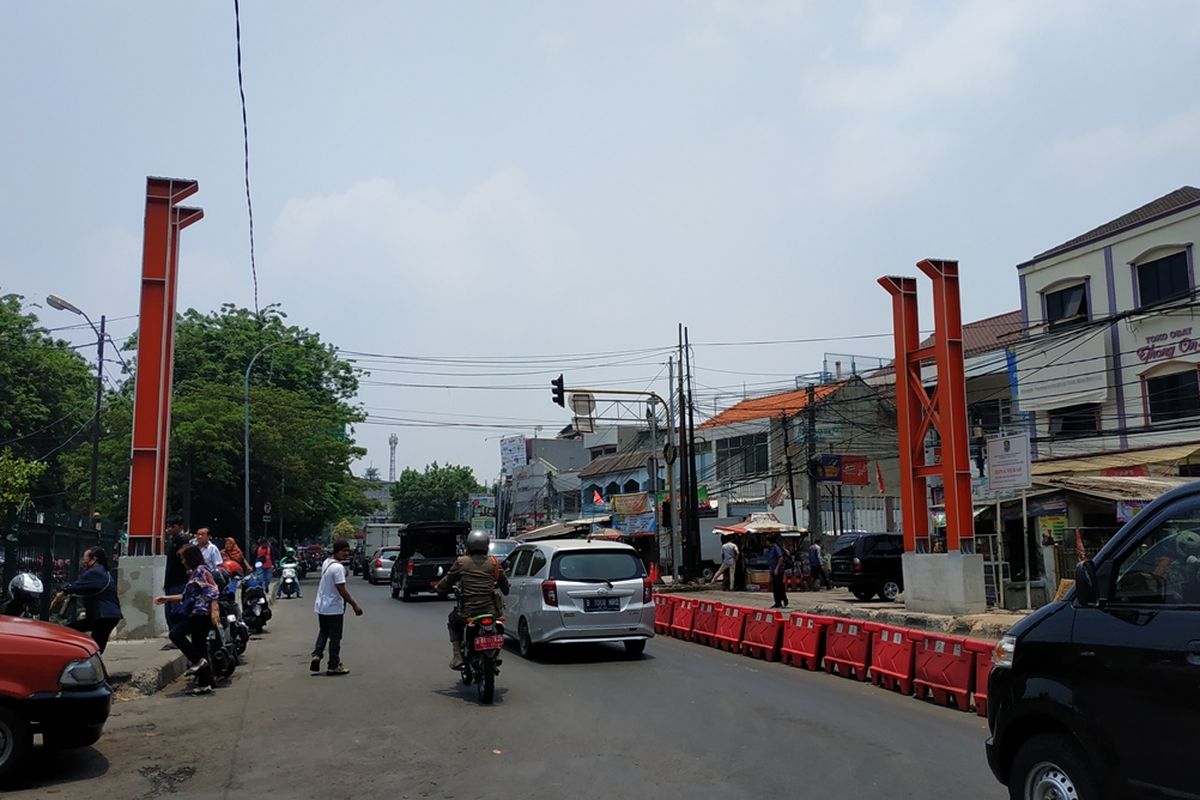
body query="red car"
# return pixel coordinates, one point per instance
(52, 682)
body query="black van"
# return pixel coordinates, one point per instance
(869, 564)
(1098, 695)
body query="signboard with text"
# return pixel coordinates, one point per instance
(1008, 462)
(512, 453)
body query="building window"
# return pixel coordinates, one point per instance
(632, 487)
(742, 455)
(611, 489)
(1173, 396)
(1074, 420)
(1163, 279)
(1067, 306)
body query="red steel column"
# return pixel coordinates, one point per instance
(155, 359)
(952, 404)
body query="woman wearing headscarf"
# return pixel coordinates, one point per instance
(95, 587)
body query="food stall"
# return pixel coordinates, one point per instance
(752, 536)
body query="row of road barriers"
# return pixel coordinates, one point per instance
(950, 671)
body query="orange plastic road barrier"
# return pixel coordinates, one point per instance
(983, 667)
(762, 634)
(847, 648)
(804, 640)
(664, 607)
(704, 622)
(945, 670)
(892, 657)
(730, 627)
(683, 617)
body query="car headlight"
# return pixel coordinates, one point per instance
(83, 674)
(1004, 652)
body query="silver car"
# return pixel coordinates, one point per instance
(379, 568)
(570, 592)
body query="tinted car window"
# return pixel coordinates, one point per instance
(1162, 569)
(844, 544)
(881, 546)
(522, 565)
(501, 549)
(539, 561)
(597, 565)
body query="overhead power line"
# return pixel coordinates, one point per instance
(237, 19)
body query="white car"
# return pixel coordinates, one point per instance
(572, 591)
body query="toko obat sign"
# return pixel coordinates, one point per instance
(1008, 462)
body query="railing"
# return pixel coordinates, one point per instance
(50, 546)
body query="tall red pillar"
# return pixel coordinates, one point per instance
(156, 359)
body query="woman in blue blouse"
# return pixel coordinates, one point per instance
(200, 615)
(98, 591)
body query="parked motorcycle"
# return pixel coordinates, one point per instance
(238, 629)
(483, 641)
(289, 585)
(256, 611)
(222, 651)
(24, 596)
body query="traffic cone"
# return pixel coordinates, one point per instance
(653, 572)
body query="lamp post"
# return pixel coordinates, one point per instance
(58, 303)
(246, 437)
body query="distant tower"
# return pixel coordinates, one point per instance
(393, 440)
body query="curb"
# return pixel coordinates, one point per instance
(150, 680)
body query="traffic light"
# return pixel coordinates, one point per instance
(558, 391)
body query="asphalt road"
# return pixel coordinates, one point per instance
(682, 721)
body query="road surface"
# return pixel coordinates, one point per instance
(682, 721)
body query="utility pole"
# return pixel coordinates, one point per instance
(787, 460)
(672, 490)
(685, 463)
(96, 425)
(694, 495)
(814, 500)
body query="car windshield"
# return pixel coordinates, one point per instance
(597, 565)
(844, 545)
(501, 549)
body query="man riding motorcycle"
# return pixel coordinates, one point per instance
(478, 575)
(289, 560)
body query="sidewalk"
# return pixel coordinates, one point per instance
(840, 603)
(142, 664)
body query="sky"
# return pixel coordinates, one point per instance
(497, 193)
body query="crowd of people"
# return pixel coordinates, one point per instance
(784, 557)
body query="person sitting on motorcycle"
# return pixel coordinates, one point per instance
(289, 560)
(478, 575)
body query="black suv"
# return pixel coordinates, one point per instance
(1098, 695)
(869, 563)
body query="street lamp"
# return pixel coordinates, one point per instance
(246, 436)
(58, 303)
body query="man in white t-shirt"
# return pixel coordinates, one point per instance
(330, 606)
(729, 554)
(211, 553)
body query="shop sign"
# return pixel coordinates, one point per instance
(1165, 346)
(1008, 462)
(1128, 509)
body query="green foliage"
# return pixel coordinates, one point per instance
(344, 530)
(432, 494)
(17, 477)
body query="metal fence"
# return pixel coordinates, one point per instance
(50, 547)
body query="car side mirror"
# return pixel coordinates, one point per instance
(1086, 584)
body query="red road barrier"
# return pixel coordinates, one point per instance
(944, 670)
(804, 640)
(983, 666)
(763, 632)
(681, 620)
(704, 624)
(664, 607)
(892, 657)
(730, 627)
(847, 648)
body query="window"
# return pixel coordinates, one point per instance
(597, 566)
(632, 486)
(522, 565)
(1074, 420)
(1163, 279)
(1173, 396)
(539, 561)
(611, 489)
(1156, 571)
(1067, 306)
(742, 455)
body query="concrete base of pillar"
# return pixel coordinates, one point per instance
(139, 581)
(944, 583)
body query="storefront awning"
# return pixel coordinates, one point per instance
(1117, 487)
(1111, 461)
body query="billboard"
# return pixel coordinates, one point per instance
(512, 453)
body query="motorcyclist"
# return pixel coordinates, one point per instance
(478, 576)
(289, 560)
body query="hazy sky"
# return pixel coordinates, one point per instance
(496, 181)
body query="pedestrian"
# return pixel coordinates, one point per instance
(96, 588)
(201, 615)
(330, 606)
(175, 575)
(816, 566)
(777, 562)
(265, 564)
(729, 557)
(211, 553)
(232, 553)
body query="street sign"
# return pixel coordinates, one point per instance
(1008, 462)
(267, 507)
(266, 517)
(583, 404)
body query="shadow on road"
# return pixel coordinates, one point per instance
(468, 694)
(566, 655)
(59, 768)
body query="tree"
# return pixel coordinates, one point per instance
(17, 477)
(432, 494)
(372, 474)
(344, 530)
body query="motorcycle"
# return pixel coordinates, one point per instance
(238, 630)
(256, 611)
(25, 596)
(289, 585)
(222, 651)
(483, 641)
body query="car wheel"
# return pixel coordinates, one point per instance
(707, 574)
(889, 591)
(861, 593)
(16, 742)
(524, 642)
(1051, 766)
(636, 647)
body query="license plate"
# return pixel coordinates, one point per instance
(602, 604)
(489, 642)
